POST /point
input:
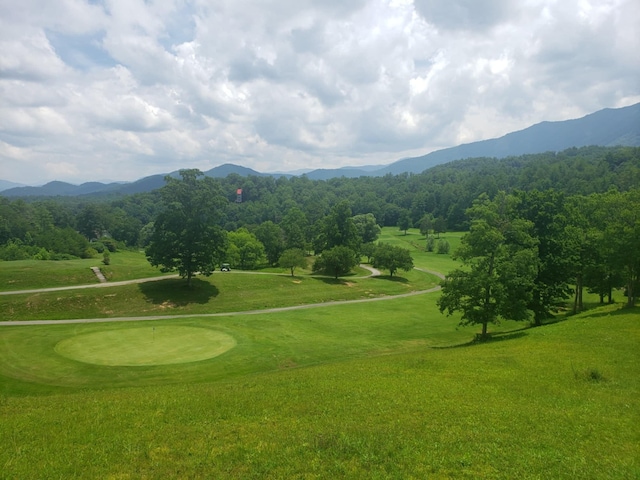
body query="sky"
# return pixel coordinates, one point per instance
(115, 90)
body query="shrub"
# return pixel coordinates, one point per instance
(431, 243)
(43, 254)
(443, 247)
(110, 244)
(106, 258)
(98, 246)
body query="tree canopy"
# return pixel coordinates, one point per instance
(392, 258)
(500, 261)
(186, 237)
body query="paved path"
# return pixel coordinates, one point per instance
(373, 271)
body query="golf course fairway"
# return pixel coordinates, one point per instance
(162, 345)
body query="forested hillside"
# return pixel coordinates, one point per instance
(444, 192)
(582, 208)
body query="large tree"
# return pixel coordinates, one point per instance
(186, 236)
(367, 227)
(336, 261)
(245, 250)
(338, 229)
(392, 258)
(547, 213)
(272, 237)
(621, 214)
(499, 257)
(292, 258)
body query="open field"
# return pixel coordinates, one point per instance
(388, 389)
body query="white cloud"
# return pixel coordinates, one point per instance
(132, 88)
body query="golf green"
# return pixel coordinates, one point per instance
(161, 345)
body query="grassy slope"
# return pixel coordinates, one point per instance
(30, 274)
(343, 391)
(523, 407)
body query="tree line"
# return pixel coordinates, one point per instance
(590, 193)
(528, 252)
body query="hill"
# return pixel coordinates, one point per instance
(608, 127)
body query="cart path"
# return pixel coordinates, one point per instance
(373, 271)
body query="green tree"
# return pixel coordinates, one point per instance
(244, 249)
(338, 229)
(186, 237)
(426, 224)
(295, 227)
(392, 258)
(547, 213)
(499, 257)
(92, 221)
(292, 258)
(621, 213)
(439, 226)
(336, 261)
(272, 237)
(583, 242)
(404, 221)
(367, 227)
(367, 250)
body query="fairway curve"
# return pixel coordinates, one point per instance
(146, 346)
(373, 273)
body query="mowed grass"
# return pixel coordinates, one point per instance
(162, 345)
(32, 274)
(338, 392)
(221, 292)
(391, 389)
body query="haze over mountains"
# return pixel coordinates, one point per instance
(608, 127)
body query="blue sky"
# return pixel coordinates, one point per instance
(121, 89)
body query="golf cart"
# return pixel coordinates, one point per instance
(225, 267)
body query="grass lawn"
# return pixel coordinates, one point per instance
(337, 392)
(221, 292)
(389, 389)
(32, 274)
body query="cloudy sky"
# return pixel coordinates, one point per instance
(121, 89)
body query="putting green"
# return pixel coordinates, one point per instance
(146, 346)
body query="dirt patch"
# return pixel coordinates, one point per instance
(288, 363)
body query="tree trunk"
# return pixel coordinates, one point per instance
(577, 301)
(484, 330)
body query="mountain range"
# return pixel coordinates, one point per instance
(608, 127)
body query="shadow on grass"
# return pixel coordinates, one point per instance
(389, 278)
(330, 280)
(176, 292)
(490, 338)
(621, 309)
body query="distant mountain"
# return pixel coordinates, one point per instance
(605, 128)
(222, 171)
(55, 188)
(608, 127)
(6, 185)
